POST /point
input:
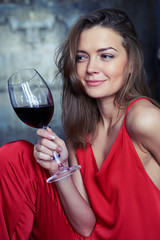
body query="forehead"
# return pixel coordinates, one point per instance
(99, 35)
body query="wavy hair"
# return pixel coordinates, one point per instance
(80, 113)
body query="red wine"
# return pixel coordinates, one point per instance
(35, 116)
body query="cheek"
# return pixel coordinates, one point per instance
(80, 70)
(121, 70)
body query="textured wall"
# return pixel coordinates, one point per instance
(31, 30)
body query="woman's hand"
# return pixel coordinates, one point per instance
(44, 150)
(74, 201)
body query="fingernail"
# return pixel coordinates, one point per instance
(60, 149)
(53, 137)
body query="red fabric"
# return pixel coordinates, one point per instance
(123, 197)
(29, 207)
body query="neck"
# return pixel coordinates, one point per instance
(110, 113)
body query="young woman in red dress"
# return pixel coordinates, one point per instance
(112, 130)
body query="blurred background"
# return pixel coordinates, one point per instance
(30, 32)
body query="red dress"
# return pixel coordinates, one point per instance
(29, 207)
(123, 197)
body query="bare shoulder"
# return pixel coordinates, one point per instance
(142, 119)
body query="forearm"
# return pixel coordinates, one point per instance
(77, 209)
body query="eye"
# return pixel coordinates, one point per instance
(81, 58)
(107, 56)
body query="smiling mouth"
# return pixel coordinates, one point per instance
(94, 83)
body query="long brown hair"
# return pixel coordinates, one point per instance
(80, 113)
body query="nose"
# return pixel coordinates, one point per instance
(93, 66)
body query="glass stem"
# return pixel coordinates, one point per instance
(57, 160)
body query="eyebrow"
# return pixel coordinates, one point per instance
(104, 49)
(99, 50)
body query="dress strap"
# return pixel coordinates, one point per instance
(131, 106)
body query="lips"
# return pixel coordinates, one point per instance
(94, 83)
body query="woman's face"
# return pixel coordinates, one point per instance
(102, 62)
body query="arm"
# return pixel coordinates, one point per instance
(71, 190)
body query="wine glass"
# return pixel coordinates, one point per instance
(33, 103)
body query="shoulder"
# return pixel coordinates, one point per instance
(142, 119)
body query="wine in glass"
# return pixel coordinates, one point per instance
(33, 103)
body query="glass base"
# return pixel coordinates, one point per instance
(63, 172)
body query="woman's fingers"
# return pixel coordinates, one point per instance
(42, 152)
(46, 133)
(44, 144)
(50, 135)
(49, 143)
(44, 159)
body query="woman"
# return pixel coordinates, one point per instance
(112, 131)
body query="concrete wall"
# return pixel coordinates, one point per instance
(31, 30)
